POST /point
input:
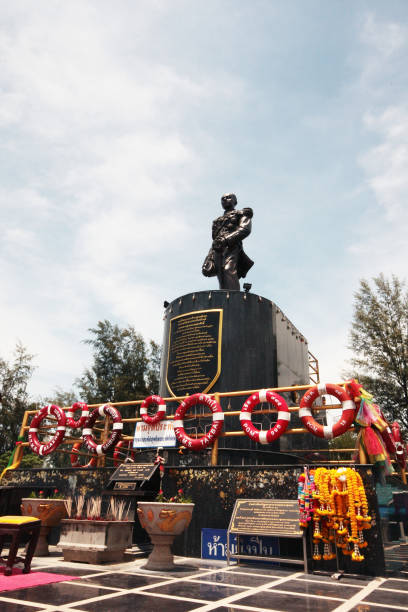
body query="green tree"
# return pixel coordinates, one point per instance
(153, 368)
(124, 368)
(379, 340)
(29, 460)
(346, 440)
(14, 378)
(61, 398)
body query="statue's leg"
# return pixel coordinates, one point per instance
(230, 273)
(219, 264)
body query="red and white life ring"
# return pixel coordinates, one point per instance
(117, 452)
(82, 419)
(327, 431)
(216, 427)
(267, 436)
(105, 410)
(35, 445)
(400, 450)
(74, 456)
(161, 409)
(388, 439)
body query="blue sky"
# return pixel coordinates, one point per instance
(121, 125)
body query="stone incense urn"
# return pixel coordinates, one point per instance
(50, 511)
(95, 541)
(163, 521)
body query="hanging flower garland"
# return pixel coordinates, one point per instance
(336, 502)
(306, 488)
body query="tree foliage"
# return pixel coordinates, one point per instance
(124, 367)
(60, 397)
(29, 460)
(346, 440)
(14, 378)
(379, 340)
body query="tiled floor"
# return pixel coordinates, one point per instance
(201, 586)
(396, 558)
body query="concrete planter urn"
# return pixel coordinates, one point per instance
(50, 511)
(95, 541)
(163, 521)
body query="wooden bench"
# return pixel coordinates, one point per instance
(17, 527)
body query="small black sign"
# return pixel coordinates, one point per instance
(134, 471)
(194, 355)
(124, 486)
(274, 517)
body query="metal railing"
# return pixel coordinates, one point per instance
(103, 429)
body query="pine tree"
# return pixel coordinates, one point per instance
(379, 340)
(124, 368)
(14, 378)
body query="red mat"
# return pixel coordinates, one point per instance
(18, 580)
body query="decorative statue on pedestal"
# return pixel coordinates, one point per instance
(226, 258)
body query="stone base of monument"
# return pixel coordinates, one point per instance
(163, 522)
(228, 341)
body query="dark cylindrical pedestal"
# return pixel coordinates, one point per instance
(259, 346)
(231, 341)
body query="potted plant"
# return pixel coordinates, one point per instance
(88, 537)
(164, 519)
(50, 510)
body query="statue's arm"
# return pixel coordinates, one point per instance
(243, 230)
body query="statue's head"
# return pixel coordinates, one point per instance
(228, 201)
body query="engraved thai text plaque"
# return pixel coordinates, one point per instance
(134, 471)
(275, 517)
(194, 353)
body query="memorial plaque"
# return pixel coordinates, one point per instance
(124, 486)
(277, 517)
(194, 353)
(129, 472)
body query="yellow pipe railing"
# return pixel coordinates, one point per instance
(18, 454)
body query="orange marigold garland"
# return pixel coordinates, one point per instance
(336, 502)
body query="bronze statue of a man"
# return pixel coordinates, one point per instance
(226, 258)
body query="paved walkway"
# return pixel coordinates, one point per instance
(201, 586)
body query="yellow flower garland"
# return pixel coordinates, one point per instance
(340, 514)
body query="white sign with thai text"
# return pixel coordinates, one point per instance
(153, 436)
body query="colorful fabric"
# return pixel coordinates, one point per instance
(373, 433)
(370, 414)
(375, 450)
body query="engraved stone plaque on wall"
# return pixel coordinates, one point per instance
(194, 352)
(278, 517)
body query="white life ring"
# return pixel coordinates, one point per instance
(216, 427)
(267, 436)
(161, 409)
(327, 431)
(35, 445)
(82, 419)
(105, 410)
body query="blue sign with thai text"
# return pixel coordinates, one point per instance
(214, 545)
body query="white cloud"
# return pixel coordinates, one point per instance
(386, 164)
(381, 244)
(383, 55)
(116, 129)
(384, 37)
(96, 167)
